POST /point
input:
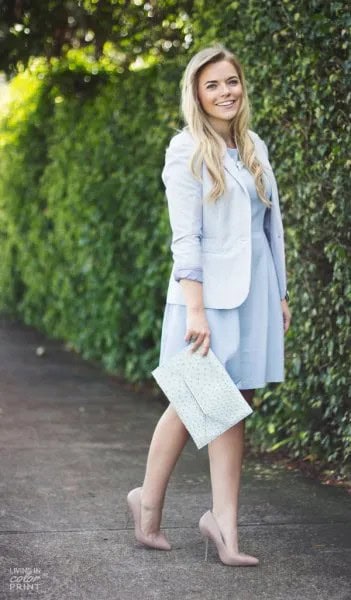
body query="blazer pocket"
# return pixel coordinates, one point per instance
(225, 247)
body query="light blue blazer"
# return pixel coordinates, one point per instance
(214, 239)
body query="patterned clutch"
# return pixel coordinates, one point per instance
(202, 393)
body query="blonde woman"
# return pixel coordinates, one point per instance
(227, 288)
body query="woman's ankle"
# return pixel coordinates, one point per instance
(228, 514)
(151, 502)
(151, 513)
(227, 524)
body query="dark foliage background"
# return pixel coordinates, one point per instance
(84, 228)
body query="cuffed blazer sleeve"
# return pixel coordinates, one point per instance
(184, 197)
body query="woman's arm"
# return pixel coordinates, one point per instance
(184, 196)
(197, 325)
(276, 233)
(282, 280)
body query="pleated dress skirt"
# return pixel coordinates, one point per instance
(249, 339)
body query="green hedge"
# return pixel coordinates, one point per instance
(84, 225)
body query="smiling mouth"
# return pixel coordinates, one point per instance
(227, 104)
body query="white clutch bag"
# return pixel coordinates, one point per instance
(204, 396)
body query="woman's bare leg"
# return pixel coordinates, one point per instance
(168, 441)
(226, 457)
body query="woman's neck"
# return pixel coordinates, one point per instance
(222, 128)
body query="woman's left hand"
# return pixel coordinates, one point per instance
(286, 315)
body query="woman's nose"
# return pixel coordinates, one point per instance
(224, 91)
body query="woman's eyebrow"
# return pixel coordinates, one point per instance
(215, 80)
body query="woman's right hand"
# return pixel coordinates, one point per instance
(198, 329)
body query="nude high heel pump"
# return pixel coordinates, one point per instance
(210, 530)
(153, 540)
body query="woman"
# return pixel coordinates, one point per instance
(227, 288)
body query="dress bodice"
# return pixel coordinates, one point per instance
(257, 206)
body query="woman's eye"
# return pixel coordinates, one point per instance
(234, 81)
(211, 85)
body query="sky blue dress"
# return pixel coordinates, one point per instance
(249, 339)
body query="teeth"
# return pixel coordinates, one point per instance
(225, 103)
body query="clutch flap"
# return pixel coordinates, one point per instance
(213, 389)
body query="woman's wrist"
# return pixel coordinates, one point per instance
(193, 294)
(195, 308)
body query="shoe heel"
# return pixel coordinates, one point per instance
(206, 548)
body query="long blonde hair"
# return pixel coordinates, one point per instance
(210, 143)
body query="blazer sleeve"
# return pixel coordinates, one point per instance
(275, 234)
(184, 197)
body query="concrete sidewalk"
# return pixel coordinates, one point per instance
(74, 442)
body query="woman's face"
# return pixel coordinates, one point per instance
(220, 91)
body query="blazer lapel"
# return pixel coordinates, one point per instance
(229, 165)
